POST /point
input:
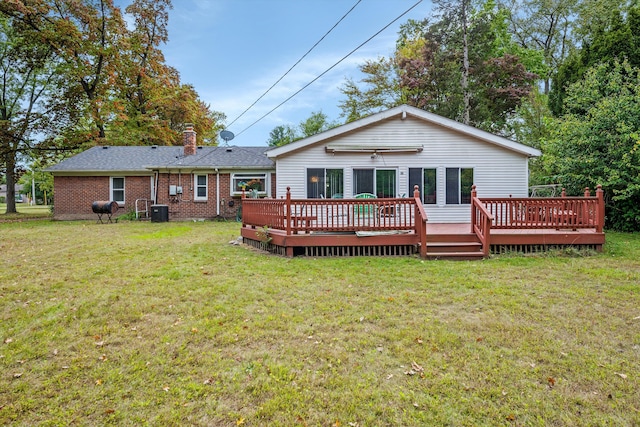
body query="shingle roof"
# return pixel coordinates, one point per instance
(402, 111)
(142, 159)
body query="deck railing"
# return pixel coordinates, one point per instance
(548, 212)
(481, 220)
(335, 215)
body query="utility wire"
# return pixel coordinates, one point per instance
(330, 68)
(293, 66)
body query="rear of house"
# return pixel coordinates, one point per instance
(194, 182)
(387, 154)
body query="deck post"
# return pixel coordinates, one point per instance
(600, 210)
(287, 212)
(563, 193)
(420, 222)
(474, 195)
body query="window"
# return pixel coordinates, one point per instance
(459, 182)
(381, 182)
(200, 187)
(425, 179)
(327, 183)
(117, 190)
(248, 182)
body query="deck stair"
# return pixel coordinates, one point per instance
(465, 246)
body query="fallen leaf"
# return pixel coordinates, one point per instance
(511, 417)
(418, 340)
(98, 382)
(479, 339)
(165, 388)
(17, 375)
(8, 340)
(415, 404)
(551, 381)
(623, 376)
(240, 421)
(100, 343)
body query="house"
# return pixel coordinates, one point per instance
(388, 153)
(193, 181)
(18, 190)
(404, 181)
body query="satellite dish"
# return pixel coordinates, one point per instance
(227, 135)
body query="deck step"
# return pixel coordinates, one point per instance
(473, 255)
(455, 249)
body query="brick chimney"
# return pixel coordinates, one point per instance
(189, 140)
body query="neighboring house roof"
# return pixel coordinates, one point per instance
(402, 111)
(146, 158)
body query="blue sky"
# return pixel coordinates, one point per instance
(231, 51)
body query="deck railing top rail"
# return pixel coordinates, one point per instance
(332, 215)
(547, 212)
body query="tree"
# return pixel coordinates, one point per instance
(597, 141)
(118, 77)
(462, 65)
(151, 102)
(30, 113)
(543, 25)
(316, 123)
(281, 135)
(85, 35)
(379, 90)
(615, 37)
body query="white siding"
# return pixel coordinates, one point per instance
(498, 172)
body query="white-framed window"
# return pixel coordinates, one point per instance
(200, 187)
(381, 182)
(116, 189)
(427, 182)
(458, 186)
(325, 183)
(258, 181)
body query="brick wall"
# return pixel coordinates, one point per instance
(75, 194)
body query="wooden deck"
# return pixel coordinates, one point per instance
(399, 226)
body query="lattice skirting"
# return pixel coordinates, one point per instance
(532, 249)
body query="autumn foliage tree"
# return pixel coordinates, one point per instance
(462, 65)
(75, 75)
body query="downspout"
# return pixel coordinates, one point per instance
(155, 191)
(217, 193)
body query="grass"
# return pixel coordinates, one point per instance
(168, 324)
(25, 211)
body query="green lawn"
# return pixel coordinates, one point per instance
(25, 211)
(168, 324)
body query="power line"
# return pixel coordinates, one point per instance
(297, 62)
(330, 68)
